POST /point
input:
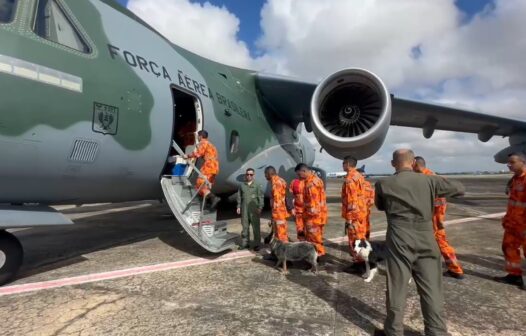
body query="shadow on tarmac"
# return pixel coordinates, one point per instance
(353, 309)
(51, 248)
(493, 263)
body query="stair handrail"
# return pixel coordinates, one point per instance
(199, 173)
(192, 165)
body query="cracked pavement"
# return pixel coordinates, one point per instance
(246, 296)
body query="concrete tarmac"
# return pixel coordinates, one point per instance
(130, 269)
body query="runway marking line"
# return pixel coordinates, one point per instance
(82, 215)
(447, 223)
(82, 279)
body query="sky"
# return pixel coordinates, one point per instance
(249, 13)
(465, 53)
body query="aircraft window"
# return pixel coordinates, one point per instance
(7, 9)
(234, 142)
(53, 24)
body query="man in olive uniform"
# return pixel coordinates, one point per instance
(407, 199)
(249, 205)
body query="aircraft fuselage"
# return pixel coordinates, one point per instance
(95, 123)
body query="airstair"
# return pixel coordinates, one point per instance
(189, 209)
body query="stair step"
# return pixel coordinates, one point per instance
(202, 227)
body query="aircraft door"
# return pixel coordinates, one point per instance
(179, 179)
(188, 118)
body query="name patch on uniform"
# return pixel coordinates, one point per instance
(105, 118)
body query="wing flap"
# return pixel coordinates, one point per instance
(432, 117)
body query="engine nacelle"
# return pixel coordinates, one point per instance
(517, 145)
(351, 113)
(502, 156)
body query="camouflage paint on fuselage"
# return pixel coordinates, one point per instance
(130, 69)
(102, 78)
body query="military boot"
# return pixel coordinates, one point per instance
(511, 280)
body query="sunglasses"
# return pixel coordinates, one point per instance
(249, 174)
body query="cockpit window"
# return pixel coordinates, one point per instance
(7, 10)
(53, 24)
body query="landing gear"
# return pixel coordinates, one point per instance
(11, 255)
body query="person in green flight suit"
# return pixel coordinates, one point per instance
(408, 198)
(249, 205)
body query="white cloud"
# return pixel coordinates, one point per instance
(314, 38)
(421, 48)
(207, 30)
(490, 48)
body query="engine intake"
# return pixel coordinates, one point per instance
(351, 113)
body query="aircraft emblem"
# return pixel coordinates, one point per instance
(105, 118)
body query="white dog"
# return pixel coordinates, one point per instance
(364, 249)
(372, 257)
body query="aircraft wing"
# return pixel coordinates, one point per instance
(290, 99)
(430, 117)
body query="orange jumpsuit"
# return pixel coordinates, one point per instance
(354, 209)
(514, 223)
(439, 217)
(314, 211)
(210, 167)
(296, 189)
(369, 202)
(279, 208)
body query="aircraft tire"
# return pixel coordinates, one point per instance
(11, 256)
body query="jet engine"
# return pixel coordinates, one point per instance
(517, 145)
(350, 113)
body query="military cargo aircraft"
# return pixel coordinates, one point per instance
(93, 101)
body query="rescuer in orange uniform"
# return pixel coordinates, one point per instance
(439, 217)
(210, 167)
(369, 202)
(314, 207)
(354, 209)
(278, 203)
(296, 189)
(514, 223)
